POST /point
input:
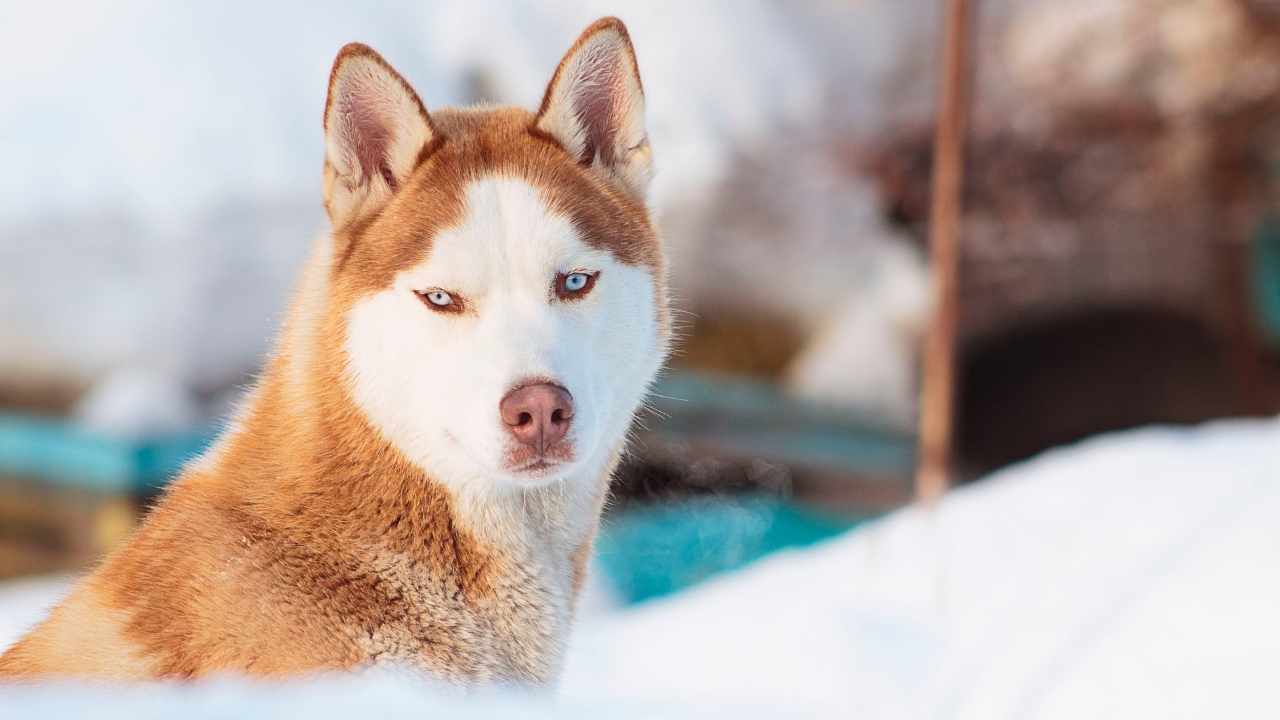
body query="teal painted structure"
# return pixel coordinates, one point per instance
(654, 551)
(60, 453)
(1266, 279)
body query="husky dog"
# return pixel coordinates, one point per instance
(418, 476)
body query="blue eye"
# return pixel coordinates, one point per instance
(575, 285)
(441, 300)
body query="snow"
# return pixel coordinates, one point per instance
(1132, 575)
(341, 698)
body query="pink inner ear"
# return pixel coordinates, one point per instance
(596, 97)
(366, 134)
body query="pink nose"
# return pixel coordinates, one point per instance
(538, 415)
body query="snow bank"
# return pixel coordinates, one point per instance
(340, 698)
(1133, 575)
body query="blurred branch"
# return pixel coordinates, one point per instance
(937, 414)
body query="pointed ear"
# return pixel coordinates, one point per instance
(594, 106)
(374, 129)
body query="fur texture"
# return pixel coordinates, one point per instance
(368, 505)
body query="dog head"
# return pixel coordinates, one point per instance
(498, 282)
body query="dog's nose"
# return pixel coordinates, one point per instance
(538, 414)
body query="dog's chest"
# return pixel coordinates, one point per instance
(510, 625)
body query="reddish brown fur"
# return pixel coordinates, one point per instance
(308, 542)
(594, 132)
(605, 23)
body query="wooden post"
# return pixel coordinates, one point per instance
(937, 399)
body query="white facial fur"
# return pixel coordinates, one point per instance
(431, 382)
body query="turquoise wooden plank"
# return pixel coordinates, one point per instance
(61, 453)
(1266, 278)
(654, 551)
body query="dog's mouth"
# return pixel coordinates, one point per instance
(537, 466)
(527, 461)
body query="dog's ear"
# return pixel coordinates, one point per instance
(374, 130)
(594, 106)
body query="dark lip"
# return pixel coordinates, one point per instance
(536, 465)
(533, 465)
(525, 459)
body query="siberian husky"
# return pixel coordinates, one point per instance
(418, 476)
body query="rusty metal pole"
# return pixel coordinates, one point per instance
(937, 399)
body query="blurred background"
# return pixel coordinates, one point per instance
(1119, 242)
